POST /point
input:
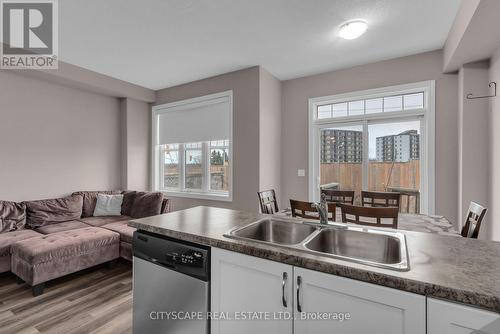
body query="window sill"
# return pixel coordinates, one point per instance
(197, 195)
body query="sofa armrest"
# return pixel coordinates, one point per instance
(166, 206)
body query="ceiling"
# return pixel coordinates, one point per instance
(162, 43)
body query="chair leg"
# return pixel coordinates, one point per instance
(19, 280)
(37, 290)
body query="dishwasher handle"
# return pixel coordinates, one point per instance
(165, 264)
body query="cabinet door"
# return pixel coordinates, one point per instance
(242, 284)
(372, 308)
(453, 318)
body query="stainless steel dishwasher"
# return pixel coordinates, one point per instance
(171, 286)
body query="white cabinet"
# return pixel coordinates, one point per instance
(372, 308)
(242, 284)
(452, 318)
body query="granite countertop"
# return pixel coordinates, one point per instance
(456, 269)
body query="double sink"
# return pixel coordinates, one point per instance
(365, 245)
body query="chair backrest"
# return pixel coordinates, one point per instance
(362, 215)
(339, 196)
(473, 222)
(306, 210)
(410, 196)
(268, 201)
(380, 199)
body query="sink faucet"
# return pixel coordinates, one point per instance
(322, 208)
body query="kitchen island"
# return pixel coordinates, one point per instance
(442, 268)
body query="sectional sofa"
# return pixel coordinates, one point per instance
(46, 239)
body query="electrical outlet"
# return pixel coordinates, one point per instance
(301, 172)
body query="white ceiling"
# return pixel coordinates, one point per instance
(162, 43)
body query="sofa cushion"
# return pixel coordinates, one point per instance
(90, 198)
(100, 221)
(126, 251)
(108, 205)
(64, 226)
(126, 232)
(12, 216)
(166, 206)
(7, 239)
(128, 202)
(53, 211)
(147, 204)
(61, 245)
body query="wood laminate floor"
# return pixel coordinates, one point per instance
(98, 300)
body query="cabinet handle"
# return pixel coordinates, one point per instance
(283, 284)
(299, 283)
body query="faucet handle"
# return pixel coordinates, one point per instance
(324, 204)
(323, 198)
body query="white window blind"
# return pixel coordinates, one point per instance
(192, 147)
(196, 122)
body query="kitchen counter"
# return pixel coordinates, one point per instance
(456, 269)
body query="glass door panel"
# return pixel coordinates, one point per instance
(341, 158)
(394, 157)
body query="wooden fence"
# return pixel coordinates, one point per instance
(350, 175)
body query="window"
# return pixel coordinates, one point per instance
(219, 165)
(192, 147)
(371, 106)
(171, 166)
(193, 166)
(377, 140)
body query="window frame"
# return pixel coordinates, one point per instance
(156, 152)
(427, 133)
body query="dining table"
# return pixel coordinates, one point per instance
(408, 222)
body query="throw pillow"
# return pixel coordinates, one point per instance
(53, 211)
(12, 216)
(128, 202)
(147, 204)
(108, 205)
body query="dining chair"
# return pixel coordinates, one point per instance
(371, 216)
(411, 196)
(306, 210)
(380, 199)
(268, 201)
(339, 196)
(473, 222)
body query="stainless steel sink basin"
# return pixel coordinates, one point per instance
(370, 246)
(364, 245)
(274, 231)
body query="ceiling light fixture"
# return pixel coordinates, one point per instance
(353, 29)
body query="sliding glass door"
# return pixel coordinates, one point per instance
(375, 140)
(372, 155)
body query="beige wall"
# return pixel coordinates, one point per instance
(494, 149)
(470, 38)
(55, 139)
(136, 140)
(426, 66)
(473, 149)
(245, 87)
(269, 132)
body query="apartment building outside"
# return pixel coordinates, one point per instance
(341, 146)
(402, 147)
